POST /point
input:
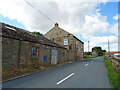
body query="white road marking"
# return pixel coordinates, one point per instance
(65, 78)
(86, 64)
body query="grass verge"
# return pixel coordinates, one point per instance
(27, 69)
(88, 57)
(114, 76)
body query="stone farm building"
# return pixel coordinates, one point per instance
(21, 47)
(73, 44)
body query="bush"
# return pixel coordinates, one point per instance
(112, 74)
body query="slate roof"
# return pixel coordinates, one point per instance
(24, 35)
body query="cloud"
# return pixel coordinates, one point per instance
(103, 42)
(19, 10)
(97, 30)
(67, 14)
(97, 10)
(95, 24)
(116, 17)
(79, 18)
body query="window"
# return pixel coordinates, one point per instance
(70, 47)
(63, 53)
(65, 41)
(53, 39)
(68, 35)
(77, 42)
(35, 52)
(81, 46)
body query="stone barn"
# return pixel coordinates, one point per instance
(21, 48)
(73, 44)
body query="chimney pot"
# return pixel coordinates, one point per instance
(56, 24)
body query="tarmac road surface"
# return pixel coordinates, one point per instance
(89, 73)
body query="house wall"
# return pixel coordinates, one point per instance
(44, 51)
(26, 51)
(17, 54)
(79, 49)
(62, 55)
(57, 35)
(76, 51)
(75, 47)
(94, 53)
(10, 53)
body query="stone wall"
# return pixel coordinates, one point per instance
(18, 54)
(115, 63)
(94, 53)
(79, 49)
(75, 47)
(10, 53)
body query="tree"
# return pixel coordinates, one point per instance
(98, 50)
(38, 33)
(104, 51)
(87, 53)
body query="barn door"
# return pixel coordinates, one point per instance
(53, 56)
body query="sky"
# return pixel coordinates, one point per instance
(95, 21)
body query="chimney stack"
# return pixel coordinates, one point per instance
(56, 24)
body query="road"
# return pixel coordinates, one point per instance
(89, 73)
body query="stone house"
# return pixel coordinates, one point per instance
(21, 47)
(73, 44)
(94, 53)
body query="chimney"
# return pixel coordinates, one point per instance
(56, 24)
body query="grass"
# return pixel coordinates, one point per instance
(24, 70)
(113, 75)
(28, 68)
(87, 57)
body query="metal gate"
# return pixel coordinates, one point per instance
(53, 56)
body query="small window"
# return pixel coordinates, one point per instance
(70, 47)
(69, 34)
(53, 39)
(34, 52)
(65, 41)
(63, 53)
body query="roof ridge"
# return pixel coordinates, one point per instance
(25, 35)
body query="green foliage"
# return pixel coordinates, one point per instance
(104, 50)
(87, 53)
(38, 33)
(112, 74)
(90, 57)
(99, 50)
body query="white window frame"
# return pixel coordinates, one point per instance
(65, 41)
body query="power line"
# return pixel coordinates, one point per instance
(39, 11)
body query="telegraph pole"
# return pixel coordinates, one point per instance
(88, 46)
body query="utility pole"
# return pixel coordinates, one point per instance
(88, 46)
